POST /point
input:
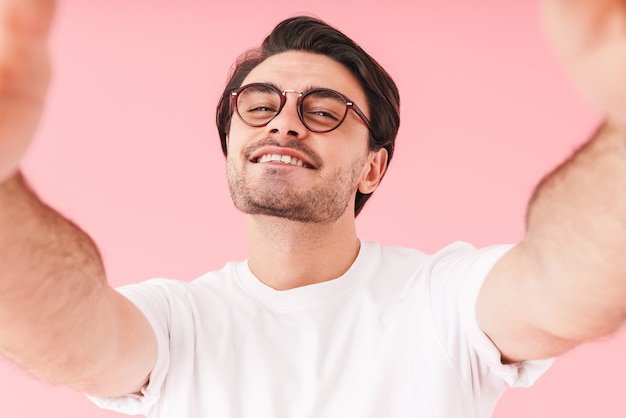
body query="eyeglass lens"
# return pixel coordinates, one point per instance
(321, 110)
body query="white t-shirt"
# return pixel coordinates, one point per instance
(395, 336)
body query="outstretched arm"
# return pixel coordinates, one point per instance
(566, 282)
(59, 319)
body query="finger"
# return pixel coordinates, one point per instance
(26, 18)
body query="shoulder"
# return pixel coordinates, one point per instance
(458, 254)
(166, 292)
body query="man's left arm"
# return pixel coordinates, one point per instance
(565, 283)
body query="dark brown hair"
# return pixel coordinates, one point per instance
(305, 33)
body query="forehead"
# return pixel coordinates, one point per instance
(301, 71)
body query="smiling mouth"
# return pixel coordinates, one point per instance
(283, 159)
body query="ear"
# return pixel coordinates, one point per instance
(373, 172)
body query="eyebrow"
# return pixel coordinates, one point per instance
(306, 89)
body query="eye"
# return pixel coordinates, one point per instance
(260, 108)
(323, 109)
(323, 114)
(258, 104)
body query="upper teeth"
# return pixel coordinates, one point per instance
(286, 159)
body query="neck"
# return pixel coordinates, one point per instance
(285, 254)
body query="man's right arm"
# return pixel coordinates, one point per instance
(59, 319)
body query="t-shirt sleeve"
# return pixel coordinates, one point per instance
(151, 299)
(457, 275)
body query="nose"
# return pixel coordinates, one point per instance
(288, 122)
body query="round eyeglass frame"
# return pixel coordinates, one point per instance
(301, 96)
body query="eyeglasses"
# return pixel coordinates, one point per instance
(320, 110)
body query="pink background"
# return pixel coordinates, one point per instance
(129, 150)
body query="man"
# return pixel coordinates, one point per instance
(317, 323)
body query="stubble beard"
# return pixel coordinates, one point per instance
(274, 196)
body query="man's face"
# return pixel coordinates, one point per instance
(318, 173)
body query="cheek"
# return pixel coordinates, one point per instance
(234, 141)
(350, 159)
(346, 150)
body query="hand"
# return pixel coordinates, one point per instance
(590, 38)
(24, 75)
